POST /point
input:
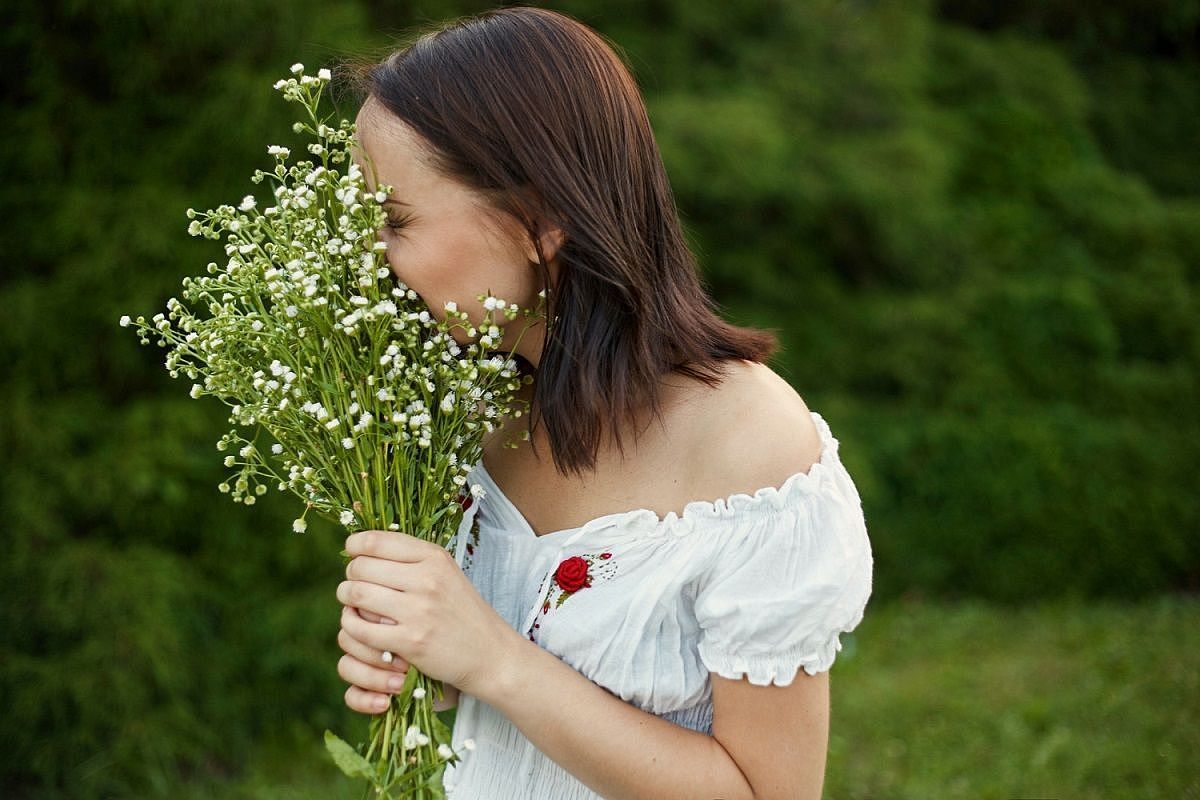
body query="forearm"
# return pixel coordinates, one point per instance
(613, 747)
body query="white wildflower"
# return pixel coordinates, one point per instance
(444, 751)
(410, 737)
(346, 517)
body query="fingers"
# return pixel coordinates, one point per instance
(368, 675)
(371, 616)
(369, 655)
(372, 686)
(381, 571)
(392, 545)
(365, 702)
(383, 600)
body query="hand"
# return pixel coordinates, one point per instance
(442, 625)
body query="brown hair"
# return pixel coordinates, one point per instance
(520, 98)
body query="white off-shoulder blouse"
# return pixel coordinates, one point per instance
(750, 585)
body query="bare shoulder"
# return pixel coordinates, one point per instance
(757, 432)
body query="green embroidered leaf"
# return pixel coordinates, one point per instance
(347, 758)
(562, 598)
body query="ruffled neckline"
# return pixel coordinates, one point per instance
(697, 513)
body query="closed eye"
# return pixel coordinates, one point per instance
(396, 224)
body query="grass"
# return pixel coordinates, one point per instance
(936, 702)
(1059, 701)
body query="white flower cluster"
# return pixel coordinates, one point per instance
(415, 737)
(374, 411)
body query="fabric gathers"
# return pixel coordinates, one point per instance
(757, 586)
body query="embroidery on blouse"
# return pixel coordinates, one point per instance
(573, 575)
(472, 535)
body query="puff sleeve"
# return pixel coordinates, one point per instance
(789, 574)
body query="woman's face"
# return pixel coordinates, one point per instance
(440, 241)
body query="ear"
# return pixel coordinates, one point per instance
(549, 235)
(551, 239)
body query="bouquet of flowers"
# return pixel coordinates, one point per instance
(360, 402)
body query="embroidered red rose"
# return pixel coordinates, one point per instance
(572, 574)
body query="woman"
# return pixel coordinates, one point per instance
(679, 649)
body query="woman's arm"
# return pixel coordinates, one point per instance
(615, 748)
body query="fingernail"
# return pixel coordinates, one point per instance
(381, 703)
(395, 682)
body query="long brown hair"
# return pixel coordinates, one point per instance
(536, 112)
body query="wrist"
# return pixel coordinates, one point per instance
(510, 668)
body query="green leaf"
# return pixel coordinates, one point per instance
(443, 723)
(404, 696)
(347, 758)
(434, 781)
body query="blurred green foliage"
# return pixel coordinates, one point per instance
(977, 230)
(962, 701)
